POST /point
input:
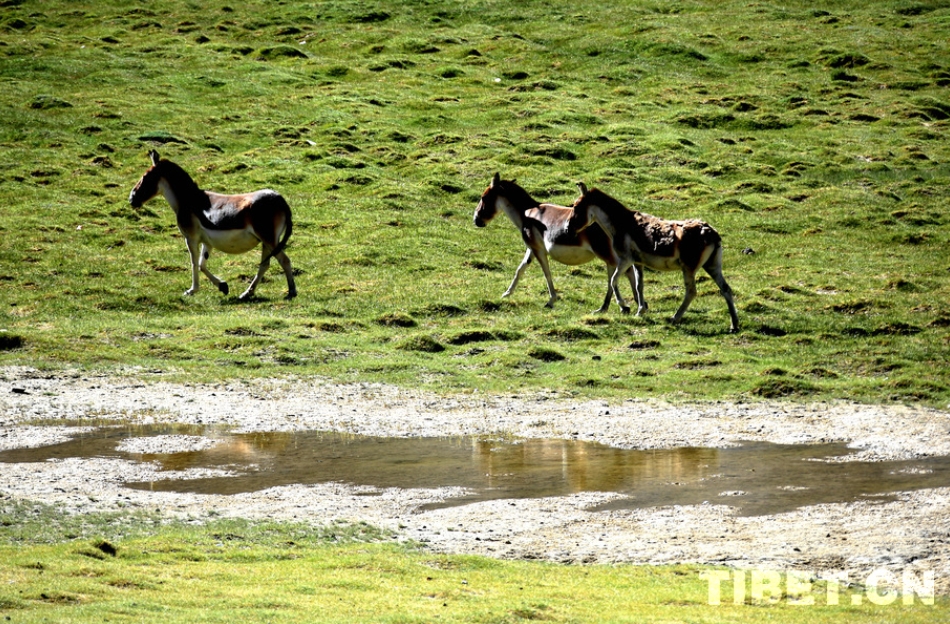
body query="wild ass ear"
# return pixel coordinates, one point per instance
(582, 188)
(154, 156)
(496, 180)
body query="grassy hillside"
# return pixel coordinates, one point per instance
(814, 140)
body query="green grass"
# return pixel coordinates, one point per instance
(807, 136)
(222, 570)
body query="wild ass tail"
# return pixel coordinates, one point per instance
(713, 266)
(709, 235)
(713, 242)
(287, 231)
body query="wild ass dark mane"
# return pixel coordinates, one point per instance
(515, 194)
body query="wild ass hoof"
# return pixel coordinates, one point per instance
(624, 310)
(189, 292)
(223, 287)
(291, 295)
(247, 295)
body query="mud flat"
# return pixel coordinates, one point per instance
(908, 531)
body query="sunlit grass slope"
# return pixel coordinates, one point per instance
(814, 140)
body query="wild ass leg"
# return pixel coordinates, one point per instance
(606, 304)
(194, 248)
(689, 281)
(631, 277)
(621, 269)
(289, 272)
(636, 281)
(202, 264)
(265, 262)
(546, 267)
(520, 270)
(542, 257)
(713, 266)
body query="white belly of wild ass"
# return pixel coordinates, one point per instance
(570, 255)
(231, 241)
(662, 263)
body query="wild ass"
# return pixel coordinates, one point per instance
(546, 233)
(233, 224)
(642, 240)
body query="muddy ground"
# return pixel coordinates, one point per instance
(911, 532)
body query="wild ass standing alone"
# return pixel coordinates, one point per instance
(544, 230)
(233, 224)
(642, 240)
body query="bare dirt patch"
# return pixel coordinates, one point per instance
(909, 533)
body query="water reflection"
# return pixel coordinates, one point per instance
(757, 478)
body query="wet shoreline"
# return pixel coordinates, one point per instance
(908, 531)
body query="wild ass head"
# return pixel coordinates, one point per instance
(503, 195)
(147, 186)
(583, 217)
(486, 209)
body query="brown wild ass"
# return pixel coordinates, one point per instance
(233, 224)
(546, 233)
(642, 240)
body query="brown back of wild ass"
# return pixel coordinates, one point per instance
(642, 240)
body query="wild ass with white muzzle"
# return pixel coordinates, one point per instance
(233, 224)
(640, 239)
(546, 233)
